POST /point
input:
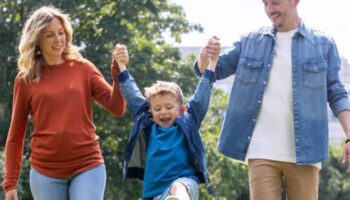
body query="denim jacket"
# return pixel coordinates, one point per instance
(135, 152)
(315, 81)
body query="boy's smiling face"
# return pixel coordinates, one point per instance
(165, 108)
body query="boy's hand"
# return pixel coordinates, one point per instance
(121, 56)
(210, 50)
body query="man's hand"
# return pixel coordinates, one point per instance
(210, 50)
(121, 56)
(345, 157)
(344, 119)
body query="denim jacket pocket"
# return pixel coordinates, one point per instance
(249, 70)
(315, 74)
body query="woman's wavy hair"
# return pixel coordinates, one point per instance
(30, 58)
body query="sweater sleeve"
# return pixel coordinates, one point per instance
(16, 134)
(110, 97)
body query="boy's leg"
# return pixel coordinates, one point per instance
(264, 179)
(301, 181)
(178, 191)
(89, 184)
(181, 188)
(43, 187)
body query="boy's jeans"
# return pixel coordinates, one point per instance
(86, 185)
(189, 183)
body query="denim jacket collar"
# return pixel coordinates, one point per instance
(302, 30)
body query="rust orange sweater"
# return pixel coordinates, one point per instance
(63, 141)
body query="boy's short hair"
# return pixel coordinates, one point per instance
(164, 87)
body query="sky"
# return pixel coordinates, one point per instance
(229, 19)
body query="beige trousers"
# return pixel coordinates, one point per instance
(267, 178)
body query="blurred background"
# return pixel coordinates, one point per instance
(163, 38)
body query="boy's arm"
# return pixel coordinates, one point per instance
(197, 107)
(137, 103)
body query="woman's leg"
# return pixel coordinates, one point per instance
(89, 184)
(44, 187)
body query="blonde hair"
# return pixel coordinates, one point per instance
(30, 59)
(164, 87)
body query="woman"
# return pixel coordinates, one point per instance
(55, 86)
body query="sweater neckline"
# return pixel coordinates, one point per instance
(56, 66)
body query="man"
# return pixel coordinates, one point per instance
(277, 112)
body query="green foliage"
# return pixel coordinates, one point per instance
(334, 181)
(10, 26)
(229, 179)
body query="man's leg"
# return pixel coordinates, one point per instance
(264, 179)
(301, 181)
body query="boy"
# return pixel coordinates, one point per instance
(165, 149)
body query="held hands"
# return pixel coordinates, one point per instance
(213, 59)
(209, 54)
(121, 55)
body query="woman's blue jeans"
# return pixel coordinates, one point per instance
(88, 185)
